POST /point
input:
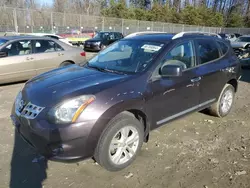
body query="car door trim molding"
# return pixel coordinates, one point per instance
(185, 111)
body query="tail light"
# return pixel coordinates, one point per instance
(83, 54)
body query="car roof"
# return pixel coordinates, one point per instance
(41, 34)
(27, 37)
(22, 37)
(109, 32)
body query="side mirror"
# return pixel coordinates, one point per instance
(171, 70)
(3, 54)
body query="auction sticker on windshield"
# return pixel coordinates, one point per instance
(151, 47)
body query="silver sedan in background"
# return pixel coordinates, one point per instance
(23, 57)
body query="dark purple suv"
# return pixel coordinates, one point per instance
(105, 108)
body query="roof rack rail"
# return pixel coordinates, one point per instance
(143, 33)
(181, 34)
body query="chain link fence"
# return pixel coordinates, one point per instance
(27, 21)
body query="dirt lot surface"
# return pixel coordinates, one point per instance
(197, 151)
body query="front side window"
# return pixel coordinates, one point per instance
(46, 46)
(111, 36)
(182, 54)
(102, 35)
(126, 56)
(22, 47)
(207, 50)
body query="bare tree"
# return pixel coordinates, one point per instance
(177, 4)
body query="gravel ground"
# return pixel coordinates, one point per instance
(197, 151)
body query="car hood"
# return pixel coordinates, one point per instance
(54, 86)
(239, 44)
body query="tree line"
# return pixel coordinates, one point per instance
(217, 13)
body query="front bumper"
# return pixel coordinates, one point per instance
(65, 143)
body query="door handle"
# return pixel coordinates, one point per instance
(196, 79)
(29, 58)
(60, 54)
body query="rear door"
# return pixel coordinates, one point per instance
(19, 63)
(48, 55)
(212, 63)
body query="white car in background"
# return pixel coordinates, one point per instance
(54, 36)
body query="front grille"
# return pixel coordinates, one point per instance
(237, 51)
(31, 111)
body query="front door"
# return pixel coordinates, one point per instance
(174, 96)
(18, 65)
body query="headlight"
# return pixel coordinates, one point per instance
(70, 110)
(97, 43)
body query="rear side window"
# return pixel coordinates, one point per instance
(223, 47)
(207, 50)
(45, 46)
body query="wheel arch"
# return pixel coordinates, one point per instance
(142, 117)
(70, 61)
(234, 83)
(102, 122)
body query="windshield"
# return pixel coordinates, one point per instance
(2, 41)
(101, 35)
(126, 56)
(243, 39)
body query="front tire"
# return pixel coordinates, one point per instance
(120, 142)
(225, 102)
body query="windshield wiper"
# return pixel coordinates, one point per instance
(104, 69)
(96, 68)
(114, 71)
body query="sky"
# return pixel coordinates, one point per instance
(48, 2)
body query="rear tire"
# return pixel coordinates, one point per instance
(225, 102)
(120, 142)
(66, 63)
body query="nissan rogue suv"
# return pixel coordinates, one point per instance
(105, 108)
